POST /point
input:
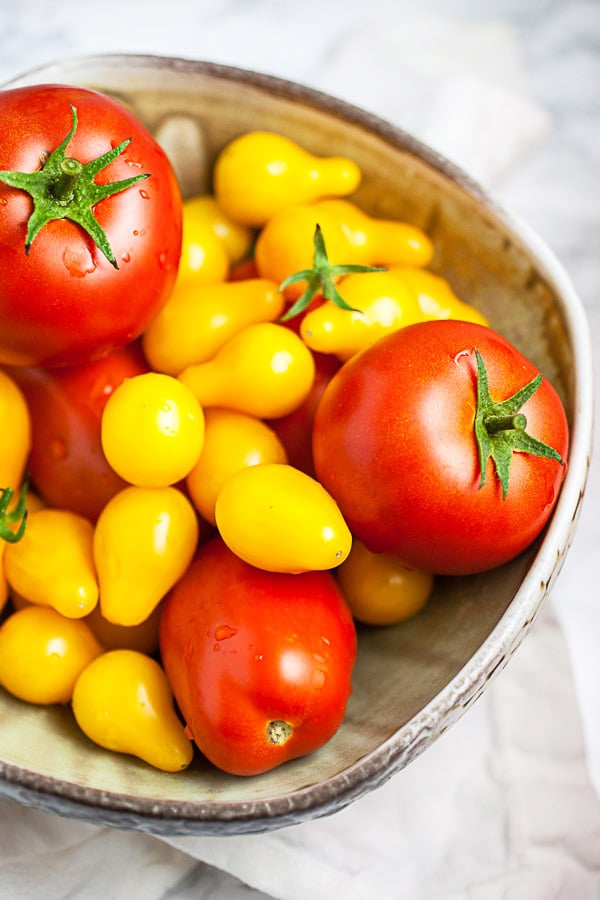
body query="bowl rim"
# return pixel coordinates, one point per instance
(406, 743)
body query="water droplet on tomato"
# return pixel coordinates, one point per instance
(144, 194)
(125, 257)
(223, 632)
(318, 679)
(163, 261)
(78, 261)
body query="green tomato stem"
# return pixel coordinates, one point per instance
(63, 188)
(497, 424)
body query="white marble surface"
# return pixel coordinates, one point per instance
(504, 805)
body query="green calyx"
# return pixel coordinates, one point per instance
(321, 279)
(64, 188)
(17, 517)
(500, 428)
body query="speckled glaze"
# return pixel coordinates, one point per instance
(413, 681)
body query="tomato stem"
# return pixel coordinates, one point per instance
(497, 424)
(17, 515)
(500, 428)
(321, 278)
(63, 188)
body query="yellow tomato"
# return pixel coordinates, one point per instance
(435, 297)
(380, 589)
(122, 701)
(16, 440)
(42, 654)
(260, 172)
(198, 319)
(144, 540)
(380, 304)
(52, 564)
(203, 213)
(277, 518)
(152, 430)
(264, 370)
(285, 244)
(204, 256)
(233, 441)
(3, 581)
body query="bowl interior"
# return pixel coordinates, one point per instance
(411, 681)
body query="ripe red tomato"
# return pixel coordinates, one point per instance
(63, 302)
(259, 662)
(394, 443)
(66, 464)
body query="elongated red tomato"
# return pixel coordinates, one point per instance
(92, 277)
(259, 662)
(434, 454)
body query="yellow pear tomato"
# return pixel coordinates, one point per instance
(277, 518)
(265, 370)
(197, 320)
(260, 172)
(122, 702)
(53, 564)
(144, 540)
(203, 213)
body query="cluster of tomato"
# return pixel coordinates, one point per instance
(246, 421)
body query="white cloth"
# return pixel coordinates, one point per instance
(502, 805)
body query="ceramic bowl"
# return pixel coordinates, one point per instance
(412, 681)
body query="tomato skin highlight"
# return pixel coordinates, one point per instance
(244, 648)
(67, 464)
(63, 303)
(393, 443)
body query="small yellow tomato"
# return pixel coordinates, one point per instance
(233, 440)
(197, 320)
(204, 257)
(435, 297)
(16, 441)
(265, 370)
(380, 589)
(277, 518)
(122, 702)
(52, 564)
(152, 430)
(285, 245)
(204, 212)
(42, 654)
(144, 540)
(260, 172)
(3, 581)
(380, 304)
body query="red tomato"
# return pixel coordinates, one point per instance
(63, 302)
(67, 465)
(259, 662)
(394, 443)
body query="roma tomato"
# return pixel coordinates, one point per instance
(260, 663)
(89, 268)
(424, 463)
(67, 464)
